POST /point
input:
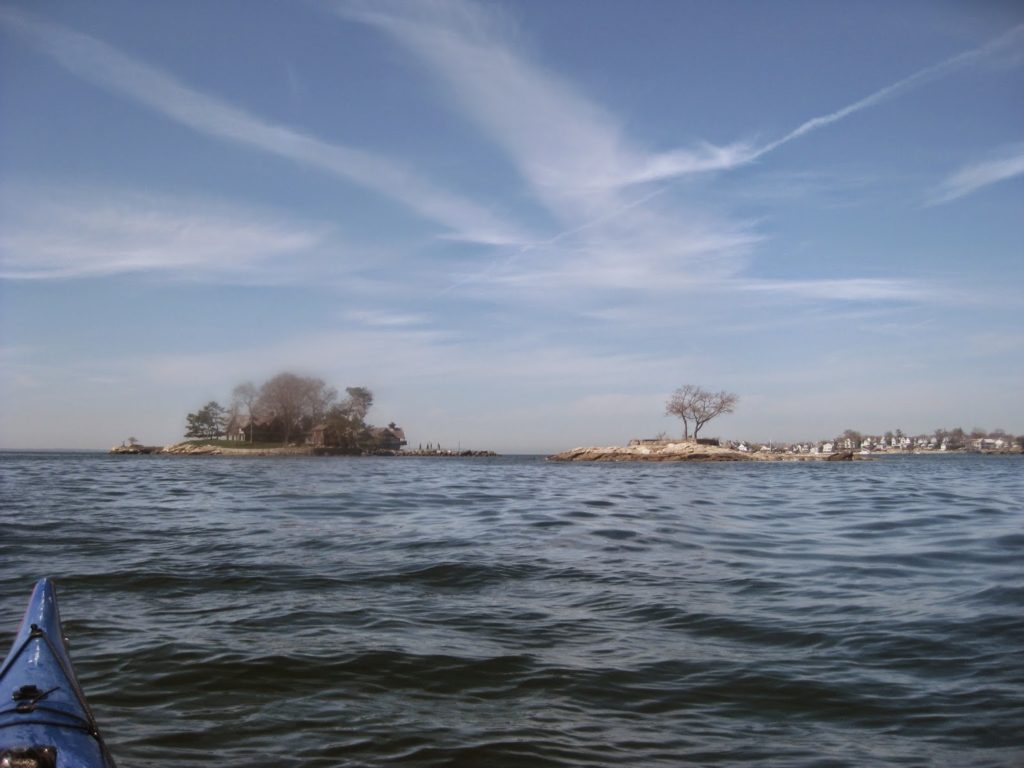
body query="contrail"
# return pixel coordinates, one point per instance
(1006, 40)
(1003, 42)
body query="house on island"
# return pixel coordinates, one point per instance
(237, 427)
(390, 438)
(318, 436)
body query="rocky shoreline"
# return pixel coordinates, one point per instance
(202, 449)
(687, 451)
(194, 449)
(446, 453)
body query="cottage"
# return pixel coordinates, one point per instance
(237, 427)
(390, 438)
(318, 436)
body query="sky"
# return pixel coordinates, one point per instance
(521, 224)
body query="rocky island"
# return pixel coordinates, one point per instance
(686, 450)
(696, 406)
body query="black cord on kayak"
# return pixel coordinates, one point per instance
(83, 726)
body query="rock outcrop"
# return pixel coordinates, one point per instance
(134, 449)
(202, 449)
(192, 449)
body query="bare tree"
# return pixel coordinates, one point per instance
(694, 404)
(246, 395)
(318, 399)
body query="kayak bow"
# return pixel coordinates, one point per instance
(45, 721)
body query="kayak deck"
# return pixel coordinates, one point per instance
(45, 721)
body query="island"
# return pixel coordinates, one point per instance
(291, 415)
(696, 406)
(687, 450)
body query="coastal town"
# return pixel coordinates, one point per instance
(894, 442)
(850, 446)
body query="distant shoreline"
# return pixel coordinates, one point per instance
(689, 450)
(207, 449)
(637, 450)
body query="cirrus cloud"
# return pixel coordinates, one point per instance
(1006, 163)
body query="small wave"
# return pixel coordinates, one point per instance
(458, 575)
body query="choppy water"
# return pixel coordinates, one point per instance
(511, 612)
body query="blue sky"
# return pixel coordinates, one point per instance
(522, 225)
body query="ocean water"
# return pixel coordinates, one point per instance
(513, 612)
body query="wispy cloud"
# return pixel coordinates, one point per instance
(583, 168)
(576, 159)
(562, 139)
(1007, 163)
(574, 154)
(97, 62)
(567, 146)
(67, 233)
(850, 289)
(376, 318)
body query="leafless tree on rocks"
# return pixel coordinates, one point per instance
(699, 406)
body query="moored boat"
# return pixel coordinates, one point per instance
(45, 721)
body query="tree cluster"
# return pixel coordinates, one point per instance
(345, 422)
(286, 408)
(959, 438)
(290, 405)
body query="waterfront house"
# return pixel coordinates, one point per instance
(237, 428)
(390, 438)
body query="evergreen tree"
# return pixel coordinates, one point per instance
(207, 423)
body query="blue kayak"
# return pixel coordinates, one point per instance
(45, 721)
